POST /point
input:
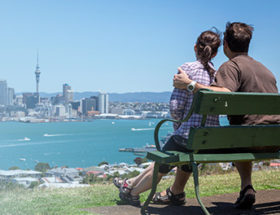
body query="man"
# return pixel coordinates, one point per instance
(240, 73)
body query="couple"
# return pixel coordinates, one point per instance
(240, 73)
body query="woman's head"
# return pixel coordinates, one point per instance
(206, 48)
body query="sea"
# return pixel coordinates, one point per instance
(75, 144)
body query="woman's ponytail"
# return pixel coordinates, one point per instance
(207, 45)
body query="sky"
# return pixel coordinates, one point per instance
(124, 45)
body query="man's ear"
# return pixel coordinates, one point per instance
(225, 44)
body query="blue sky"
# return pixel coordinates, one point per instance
(121, 46)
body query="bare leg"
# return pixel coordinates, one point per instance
(178, 186)
(181, 179)
(145, 181)
(134, 181)
(245, 172)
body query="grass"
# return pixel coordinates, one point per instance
(19, 201)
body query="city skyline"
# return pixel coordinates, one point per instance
(125, 47)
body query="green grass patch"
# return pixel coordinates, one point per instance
(19, 201)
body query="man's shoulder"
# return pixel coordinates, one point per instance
(228, 65)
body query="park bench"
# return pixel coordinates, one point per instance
(207, 102)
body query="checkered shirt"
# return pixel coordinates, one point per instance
(181, 101)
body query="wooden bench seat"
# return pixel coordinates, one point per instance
(232, 139)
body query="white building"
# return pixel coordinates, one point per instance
(9, 174)
(3, 92)
(59, 110)
(10, 96)
(25, 181)
(103, 103)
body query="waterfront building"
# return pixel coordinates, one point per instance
(3, 92)
(58, 99)
(128, 112)
(30, 100)
(67, 93)
(103, 103)
(10, 96)
(19, 100)
(75, 105)
(60, 110)
(89, 104)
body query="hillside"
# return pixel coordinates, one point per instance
(120, 97)
(21, 201)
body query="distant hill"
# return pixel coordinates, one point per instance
(121, 97)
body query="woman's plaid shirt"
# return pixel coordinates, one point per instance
(181, 100)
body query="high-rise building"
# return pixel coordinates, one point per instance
(10, 96)
(30, 100)
(3, 92)
(103, 103)
(67, 93)
(37, 74)
(89, 104)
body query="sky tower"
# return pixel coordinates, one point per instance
(37, 74)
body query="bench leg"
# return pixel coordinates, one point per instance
(153, 190)
(196, 184)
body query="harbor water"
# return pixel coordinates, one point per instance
(74, 144)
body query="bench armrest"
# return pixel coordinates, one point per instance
(178, 121)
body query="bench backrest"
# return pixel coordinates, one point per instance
(217, 103)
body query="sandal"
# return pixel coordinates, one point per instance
(245, 201)
(170, 198)
(129, 199)
(117, 182)
(125, 188)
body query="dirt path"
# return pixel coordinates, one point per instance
(268, 202)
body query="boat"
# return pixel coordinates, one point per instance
(24, 139)
(144, 149)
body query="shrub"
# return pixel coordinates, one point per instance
(42, 167)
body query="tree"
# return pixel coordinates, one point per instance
(139, 160)
(103, 163)
(14, 168)
(42, 167)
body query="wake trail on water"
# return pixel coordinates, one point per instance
(33, 143)
(147, 129)
(55, 135)
(141, 129)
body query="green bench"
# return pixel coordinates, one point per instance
(207, 102)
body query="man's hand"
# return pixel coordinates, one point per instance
(181, 80)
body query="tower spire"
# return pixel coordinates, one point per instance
(37, 75)
(37, 66)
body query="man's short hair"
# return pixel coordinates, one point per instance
(238, 36)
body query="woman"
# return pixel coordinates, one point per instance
(201, 71)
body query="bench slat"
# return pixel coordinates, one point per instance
(181, 157)
(216, 103)
(233, 137)
(162, 157)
